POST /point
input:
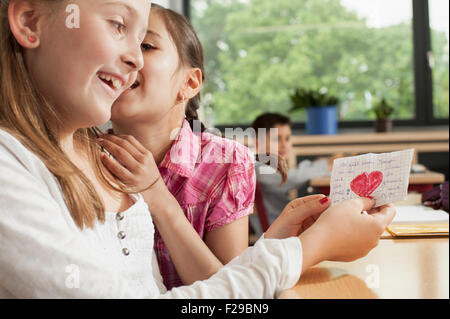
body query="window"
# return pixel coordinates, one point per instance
(259, 51)
(439, 21)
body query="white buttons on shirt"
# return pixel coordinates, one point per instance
(121, 235)
(120, 216)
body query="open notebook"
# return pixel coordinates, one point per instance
(419, 221)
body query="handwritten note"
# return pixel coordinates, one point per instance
(384, 177)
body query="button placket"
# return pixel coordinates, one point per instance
(121, 234)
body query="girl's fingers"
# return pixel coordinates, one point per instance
(120, 154)
(125, 145)
(379, 218)
(301, 201)
(308, 223)
(306, 207)
(384, 214)
(133, 141)
(116, 169)
(361, 203)
(316, 217)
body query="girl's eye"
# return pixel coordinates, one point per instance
(118, 25)
(147, 46)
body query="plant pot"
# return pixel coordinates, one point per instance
(321, 120)
(383, 125)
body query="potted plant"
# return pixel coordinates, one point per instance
(321, 110)
(383, 111)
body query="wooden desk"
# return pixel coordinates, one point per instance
(419, 182)
(397, 268)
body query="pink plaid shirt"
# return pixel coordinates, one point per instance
(213, 180)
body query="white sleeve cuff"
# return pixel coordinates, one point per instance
(292, 260)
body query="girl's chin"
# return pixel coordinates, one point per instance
(123, 110)
(100, 121)
(120, 115)
(100, 117)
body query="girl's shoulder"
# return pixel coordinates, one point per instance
(9, 144)
(13, 153)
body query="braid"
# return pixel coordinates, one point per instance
(191, 112)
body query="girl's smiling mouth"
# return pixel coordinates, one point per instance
(113, 83)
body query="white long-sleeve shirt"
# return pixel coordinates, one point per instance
(44, 255)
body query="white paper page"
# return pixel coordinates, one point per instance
(385, 177)
(419, 215)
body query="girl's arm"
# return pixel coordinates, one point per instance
(226, 224)
(192, 258)
(357, 235)
(228, 241)
(260, 272)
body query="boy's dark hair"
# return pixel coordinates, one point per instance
(270, 120)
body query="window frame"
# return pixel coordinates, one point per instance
(423, 80)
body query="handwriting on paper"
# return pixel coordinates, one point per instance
(384, 177)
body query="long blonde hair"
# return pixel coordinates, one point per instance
(28, 116)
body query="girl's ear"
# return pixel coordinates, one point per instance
(193, 83)
(23, 20)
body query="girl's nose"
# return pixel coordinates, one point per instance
(134, 59)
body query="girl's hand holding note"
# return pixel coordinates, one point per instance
(298, 216)
(338, 233)
(344, 233)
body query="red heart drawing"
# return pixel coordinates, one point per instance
(365, 184)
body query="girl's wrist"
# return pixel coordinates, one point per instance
(315, 246)
(161, 203)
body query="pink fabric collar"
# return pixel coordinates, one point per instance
(184, 153)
